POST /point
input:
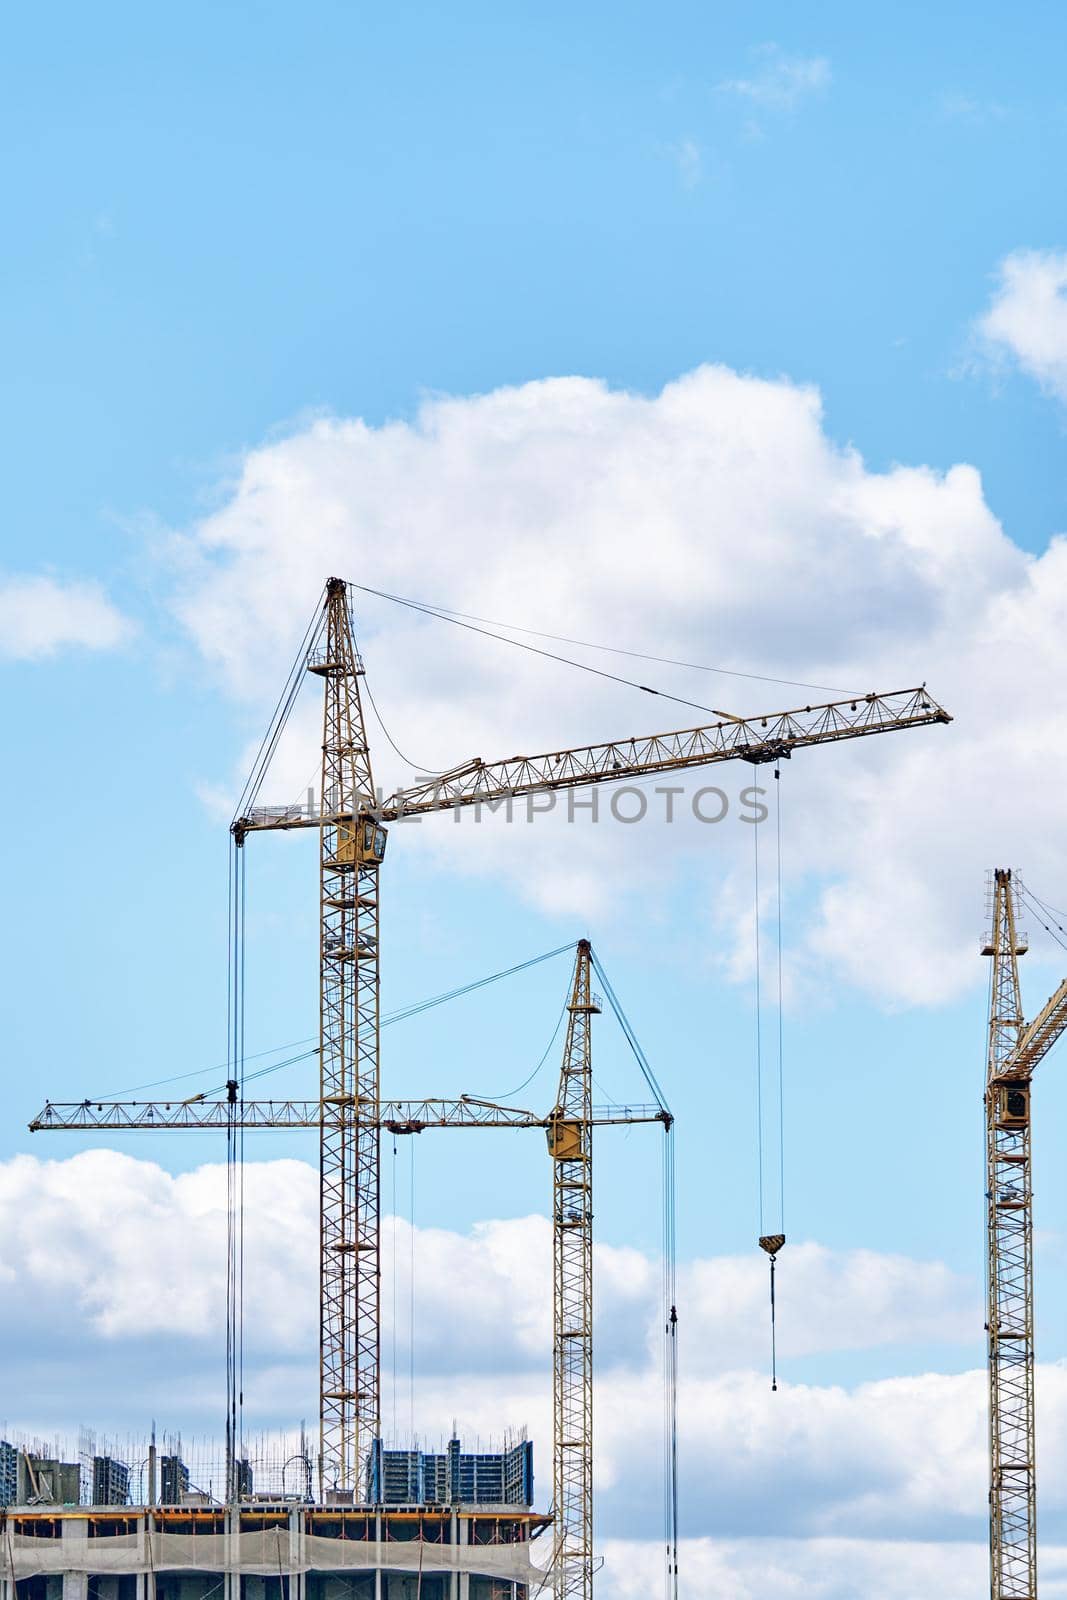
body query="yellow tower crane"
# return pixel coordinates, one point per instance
(352, 830)
(1015, 1049)
(351, 820)
(569, 1131)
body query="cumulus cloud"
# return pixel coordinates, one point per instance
(781, 82)
(109, 1254)
(1027, 318)
(807, 1569)
(714, 523)
(819, 1491)
(40, 616)
(138, 1252)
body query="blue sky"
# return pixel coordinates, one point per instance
(217, 224)
(232, 232)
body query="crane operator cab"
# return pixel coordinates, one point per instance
(360, 845)
(1013, 1103)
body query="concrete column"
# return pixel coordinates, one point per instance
(453, 1579)
(139, 1584)
(464, 1577)
(148, 1528)
(378, 1570)
(231, 1578)
(297, 1576)
(75, 1584)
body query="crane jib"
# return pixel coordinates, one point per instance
(757, 740)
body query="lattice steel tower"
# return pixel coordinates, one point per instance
(350, 854)
(571, 1145)
(1009, 1232)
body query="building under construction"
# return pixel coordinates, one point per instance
(443, 1526)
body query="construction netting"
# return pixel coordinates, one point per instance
(273, 1552)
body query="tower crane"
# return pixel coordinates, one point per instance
(351, 820)
(569, 1130)
(352, 833)
(1014, 1051)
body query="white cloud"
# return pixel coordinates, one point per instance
(714, 522)
(806, 1569)
(820, 1491)
(39, 616)
(137, 1252)
(113, 1256)
(1027, 319)
(781, 81)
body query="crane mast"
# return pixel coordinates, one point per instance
(349, 1076)
(1015, 1050)
(1009, 1236)
(571, 1147)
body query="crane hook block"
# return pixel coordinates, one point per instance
(772, 1243)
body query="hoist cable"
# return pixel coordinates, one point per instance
(430, 771)
(468, 988)
(1053, 911)
(670, 1420)
(505, 1094)
(774, 1343)
(395, 1276)
(220, 1066)
(241, 1170)
(411, 1306)
(669, 1257)
(230, 999)
(234, 1009)
(282, 711)
(447, 613)
(551, 655)
(770, 1243)
(628, 1032)
(1037, 907)
(781, 1008)
(401, 1015)
(759, 1023)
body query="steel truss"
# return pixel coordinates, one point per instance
(349, 1082)
(571, 1140)
(1009, 1234)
